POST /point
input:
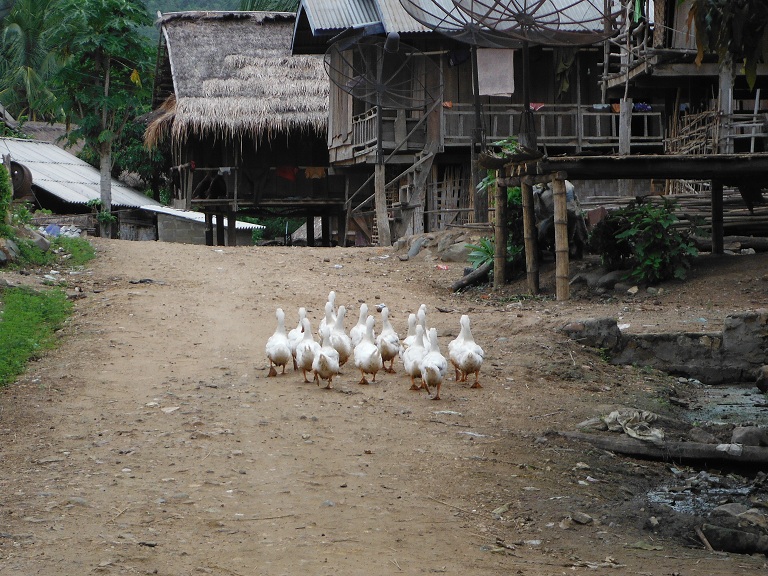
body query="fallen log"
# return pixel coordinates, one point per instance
(675, 451)
(757, 243)
(477, 276)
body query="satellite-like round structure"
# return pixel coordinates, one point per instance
(545, 22)
(385, 73)
(449, 19)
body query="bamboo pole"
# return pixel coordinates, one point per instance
(561, 239)
(530, 238)
(500, 251)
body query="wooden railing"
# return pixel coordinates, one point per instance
(576, 128)
(364, 131)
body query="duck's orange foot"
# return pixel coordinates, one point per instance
(272, 371)
(476, 385)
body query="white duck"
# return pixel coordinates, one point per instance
(339, 339)
(366, 354)
(357, 331)
(330, 315)
(296, 334)
(388, 341)
(412, 357)
(306, 349)
(278, 348)
(326, 362)
(433, 365)
(421, 318)
(411, 335)
(465, 355)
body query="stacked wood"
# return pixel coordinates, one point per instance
(695, 210)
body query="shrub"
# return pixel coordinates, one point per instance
(643, 238)
(6, 193)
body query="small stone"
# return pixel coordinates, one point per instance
(581, 518)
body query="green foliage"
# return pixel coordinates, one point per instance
(642, 237)
(31, 58)
(270, 5)
(6, 193)
(28, 322)
(76, 251)
(106, 217)
(481, 253)
(21, 215)
(735, 30)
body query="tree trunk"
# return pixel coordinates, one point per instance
(105, 187)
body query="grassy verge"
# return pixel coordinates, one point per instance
(30, 318)
(28, 322)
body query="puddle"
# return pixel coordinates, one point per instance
(735, 404)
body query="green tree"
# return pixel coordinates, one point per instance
(30, 59)
(736, 30)
(106, 78)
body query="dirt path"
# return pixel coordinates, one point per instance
(152, 441)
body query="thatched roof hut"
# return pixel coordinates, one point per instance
(231, 75)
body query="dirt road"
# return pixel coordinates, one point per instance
(152, 441)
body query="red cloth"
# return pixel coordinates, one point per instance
(287, 172)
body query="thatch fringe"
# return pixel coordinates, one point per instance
(234, 76)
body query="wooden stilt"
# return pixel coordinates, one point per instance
(500, 236)
(561, 239)
(531, 239)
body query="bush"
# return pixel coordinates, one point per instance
(643, 238)
(6, 193)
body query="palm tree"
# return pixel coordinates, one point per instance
(30, 59)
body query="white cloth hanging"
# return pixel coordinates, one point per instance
(495, 71)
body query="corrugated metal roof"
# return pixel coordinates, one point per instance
(66, 176)
(327, 17)
(198, 216)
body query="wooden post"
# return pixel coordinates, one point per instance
(311, 230)
(530, 236)
(717, 216)
(561, 239)
(625, 126)
(219, 229)
(725, 97)
(231, 228)
(500, 250)
(325, 229)
(380, 198)
(625, 137)
(208, 229)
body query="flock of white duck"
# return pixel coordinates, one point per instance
(370, 353)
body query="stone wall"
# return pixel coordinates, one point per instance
(733, 355)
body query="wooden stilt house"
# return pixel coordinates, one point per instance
(430, 177)
(245, 119)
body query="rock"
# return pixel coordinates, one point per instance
(455, 253)
(581, 518)
(750, 436)
(595, 332)
(731, 509)
(730, 540)
(701, 436)
(416, 247)
(609, 280)
(762, 379)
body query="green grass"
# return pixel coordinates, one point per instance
(28, 322)
(77, 251)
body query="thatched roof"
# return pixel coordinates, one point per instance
(233, 74)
